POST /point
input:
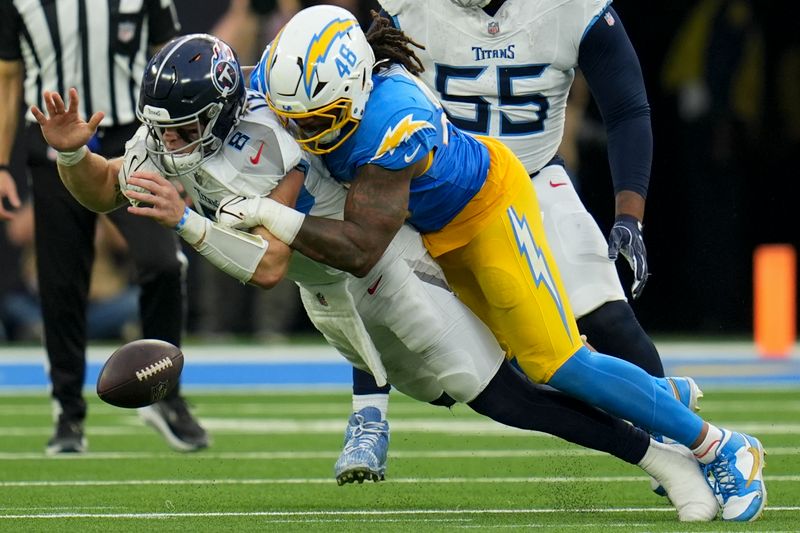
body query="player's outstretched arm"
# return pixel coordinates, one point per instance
(259, 259)
(90, 178)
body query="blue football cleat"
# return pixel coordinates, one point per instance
(685, 391)
(366, 443)
(738, 477)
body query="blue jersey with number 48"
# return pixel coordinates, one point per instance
(403, 123)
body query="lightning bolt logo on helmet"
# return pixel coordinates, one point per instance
(320, 45)
(400, 133)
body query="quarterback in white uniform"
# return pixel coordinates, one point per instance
(399, 322)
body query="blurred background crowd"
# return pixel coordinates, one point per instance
(723, 81)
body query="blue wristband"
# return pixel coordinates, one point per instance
(182, 221)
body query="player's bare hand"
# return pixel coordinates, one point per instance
(161, 201)
(62, 127)
(8, 190)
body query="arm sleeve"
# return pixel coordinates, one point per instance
(163, 20)
(9, 32)
(609, 63)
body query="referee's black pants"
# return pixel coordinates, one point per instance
(64, 255)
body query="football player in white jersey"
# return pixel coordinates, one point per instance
(504, 68)
(399, 321)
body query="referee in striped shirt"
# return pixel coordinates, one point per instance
(99, 47)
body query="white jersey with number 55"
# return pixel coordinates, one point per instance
(506, 76)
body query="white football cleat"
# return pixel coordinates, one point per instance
(675, 468)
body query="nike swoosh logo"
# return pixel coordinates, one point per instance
(410, 157)
(675, 391)
(374, 287)
(257, 157)
(756, 465)
(133, 167)
(557, 184)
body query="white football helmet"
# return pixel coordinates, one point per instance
(319, 65)
(471, 3)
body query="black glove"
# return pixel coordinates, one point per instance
(626, 237)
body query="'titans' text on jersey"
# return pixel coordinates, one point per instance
(483, 86)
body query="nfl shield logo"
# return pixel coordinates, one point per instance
(494, 28)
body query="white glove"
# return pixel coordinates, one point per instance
(243, 213)
(239, 212)
(136, 158)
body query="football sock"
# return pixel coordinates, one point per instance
(612, 328)
(364, 383)
(707, 451)
(511, 399)
(628, 392)
(379, 401)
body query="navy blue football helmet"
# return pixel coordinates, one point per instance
(195, 84)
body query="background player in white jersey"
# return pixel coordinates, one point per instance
(399, 321)
(504, 68)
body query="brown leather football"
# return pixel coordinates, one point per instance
(140, 373)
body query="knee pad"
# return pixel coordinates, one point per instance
(461, 386)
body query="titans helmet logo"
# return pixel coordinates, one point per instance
(224, 72)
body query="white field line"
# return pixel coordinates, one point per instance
(377, 514)
(332, 454)
(306, 426)
(329, 481)
(342, 409)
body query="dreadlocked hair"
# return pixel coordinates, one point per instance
(391, 45)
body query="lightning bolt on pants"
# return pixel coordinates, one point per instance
(507, 276)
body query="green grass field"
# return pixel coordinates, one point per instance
(270, 469)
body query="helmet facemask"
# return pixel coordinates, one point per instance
(195, 130)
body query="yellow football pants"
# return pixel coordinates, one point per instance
(505, 272)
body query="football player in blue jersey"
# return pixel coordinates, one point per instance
(384, 133)
(493, 77)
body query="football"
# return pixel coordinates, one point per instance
(140, 373)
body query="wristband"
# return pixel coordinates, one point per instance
(4, 167)
(192, 227)
(69, 159)
(182, 221)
